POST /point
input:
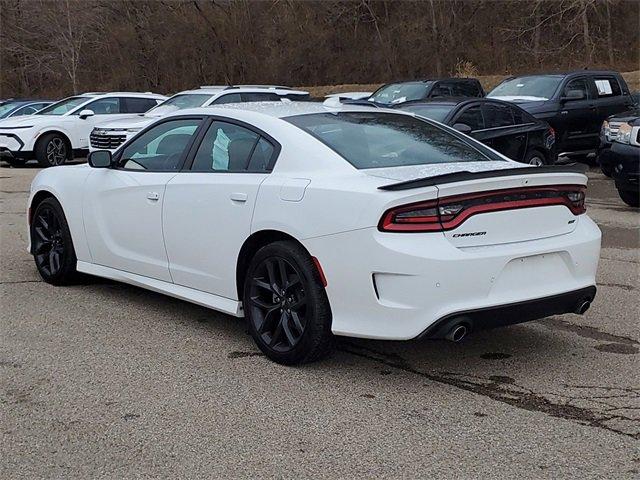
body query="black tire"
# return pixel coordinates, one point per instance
(535, 157)
(630, 198)
(51, 244)
(52, 149)
(607, 171)
(288, 314)
(15, 162)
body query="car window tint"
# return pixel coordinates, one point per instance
(465, 89)
(261, 159)
(228, 98)
(472, 116)
(521, 117)
(580, 85)
(607, 87)
(433, 111)
(497, 116)
(225, 147)
(377, 139)
(161, 147)
(28, 110)
(104, 106)
(138, 105)
(441, 89)
(260, 97)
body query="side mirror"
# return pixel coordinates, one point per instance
(462, 128)
(86, 113)
(100, 159)
(573, 95)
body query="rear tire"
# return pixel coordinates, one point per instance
(286, 306)
(52, 150)
(51, 244)
(16, 162)
(630, 198)
(535, 158)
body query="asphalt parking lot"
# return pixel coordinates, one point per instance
(107, 380)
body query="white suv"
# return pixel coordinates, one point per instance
(61, 131)
(109, 136)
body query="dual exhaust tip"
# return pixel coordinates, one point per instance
(461, 327)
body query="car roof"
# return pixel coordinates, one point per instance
(453, 101)
(216, 89)
(282, 109)
(116, 94)
(566, 73)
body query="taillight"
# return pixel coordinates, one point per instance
(450, 212)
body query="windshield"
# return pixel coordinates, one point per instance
(401, 92)
(63, 106)
(181, 101)
(541, 87)
(434, 112)
(377, 139)
(6, 107)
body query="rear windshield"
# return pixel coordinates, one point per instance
(400, 92)
(380, 139)
(436, 112)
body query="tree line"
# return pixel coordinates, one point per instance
(59, 47)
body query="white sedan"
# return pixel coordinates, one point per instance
(315, 220)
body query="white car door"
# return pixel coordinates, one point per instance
(123, 205)
(208, 208)
(104, 110)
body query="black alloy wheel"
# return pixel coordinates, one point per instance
(51, 243)
(278, 303)
(56, 151)
(286, 305)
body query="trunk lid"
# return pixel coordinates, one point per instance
(492, 207)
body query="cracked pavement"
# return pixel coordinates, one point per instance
(108, 380)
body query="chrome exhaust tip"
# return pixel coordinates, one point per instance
(457, 333)
(582, 307)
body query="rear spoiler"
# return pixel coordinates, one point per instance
(466, 175)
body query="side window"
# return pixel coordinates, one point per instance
(472, 116)
(161, 147)
(441, 89)
(260, 97)
(465, 89)
(497, 116)
(231, 148)
(228, 98)
(577, 85)
(28, 110)
(521, 117)
(138, 105)
(607, 87)
(104, 106)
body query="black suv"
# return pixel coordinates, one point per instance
(574, 104)
(503, 126)
(399, 92)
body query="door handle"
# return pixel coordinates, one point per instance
(238, 197)
(153, 196)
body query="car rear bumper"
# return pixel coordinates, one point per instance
(576, 301)
(397, 286)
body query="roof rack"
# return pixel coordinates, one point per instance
(270, 87)
(214, 86)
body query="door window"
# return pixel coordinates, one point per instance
(607, 87)
(28, 110)
(160, 148)
(138, 105)
(520, 117)
(104, 106)
(227, 147)
(228, 98)
(260, 97)
(472, 116)
(497, 116)
(579, 85)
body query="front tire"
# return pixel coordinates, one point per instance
(286, 306)
(630, 198)
(52, 150)
(51, 244)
